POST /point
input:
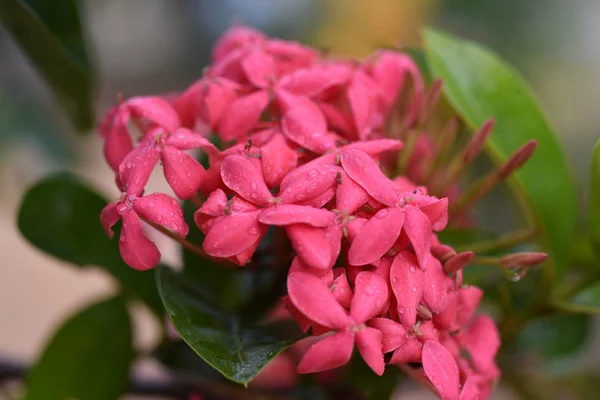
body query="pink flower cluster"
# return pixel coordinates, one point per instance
(303, 140)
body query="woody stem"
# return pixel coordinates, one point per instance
(185, 243)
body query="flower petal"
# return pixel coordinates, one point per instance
(441, 369)
(349, 195)
(109, 217)
(375, 148)
(184, 139)
(364, 171)
(259, 68)
(437, 212)
(220, 93)
(214, 205)
(182, 172)
(232, 234)
(163, 210)
(341, 288)
(305, 125)
(483, 341)
(370, 296)
(393, 333)
(436, 285)
(155, 110)
(287, 214)
(418, 230)
(240, 175)
(312, 245)
(314, 299)
(468, 300)
(376, 237)
(315, 79)
(277, 159)
(243, 114)
(362, 102)
(470, 390)
(409, 351)
(368, 342)
(332, 352)
(136, 249)
(407, 284)
(136, 167)
(307, 182)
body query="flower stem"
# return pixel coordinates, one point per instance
(575, 308)
(185, 243)
(499, 243)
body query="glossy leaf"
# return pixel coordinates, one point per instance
(234, 346)
(479, 85)
(594, 199)
(51, 35)
(556, 336)
(88, 358)
(60, 216)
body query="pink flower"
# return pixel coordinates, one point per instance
(310, 295)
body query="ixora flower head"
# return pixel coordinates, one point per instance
(313, 147)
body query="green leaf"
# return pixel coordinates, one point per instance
(594, 199)
(369, 384)
(479, 85)
(50, 33)
(61, 216)
(556, 336)
(239, 349)
(88, 358)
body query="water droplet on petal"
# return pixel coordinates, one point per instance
(394, 280)
(412, 269)
(414, 289)
(253, 185)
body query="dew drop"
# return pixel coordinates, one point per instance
(401, 311)
(515, 274)
(174, 227)
(151, 204)
(159, 218)
(414, 289)
(412, 269)
(394, 280)
(253, 185)
(253, 230)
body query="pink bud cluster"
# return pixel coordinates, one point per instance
(304, 141)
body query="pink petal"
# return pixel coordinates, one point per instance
(187, 104)
(354, 226)
(370, 296)
(446, 318)
(349, 195)
(360, 97)
(341, 288)
(376, 237)
(184, 139)
(259, 68)
(364, 171)
(117, 142)
(236, 37)
(182, 172)
(368, 342)
(305, 125)
(468, 300)
(436, 285)
(307, 182)
(277, 159)
(418, 230)
(215, 203)
(441, 369)
(136, 249)
(242, 115)
(483, 341)
(311, 244)
(291, 55)
(109, 217)
(470, 390)
(326, 276)
(287, 214)
(338, 120)
(332, 352)
(409, 351)
(315, 79)
(314, 299)
(241, 176)
(238, 204)
(232, 234)
(163, 210)
(389, 75)
(393, 333)
(375, 148)
(428, 331)
(136, 168)
(220, 93)
(407, 285)
(156, 110)
(303, 322)
(436, 211)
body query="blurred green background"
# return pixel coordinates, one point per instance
(160, 46)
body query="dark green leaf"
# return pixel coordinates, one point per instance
(88, 358)
(50, 33)
(370, 384)
(61, 216)
(594, 199)
(479, 85)
(237, 348)
(180, 358)
(556, 336)
(589, 296)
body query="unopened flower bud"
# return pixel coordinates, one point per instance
(424, 313)
(442, 252)
(458, 262)
(523, 259)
